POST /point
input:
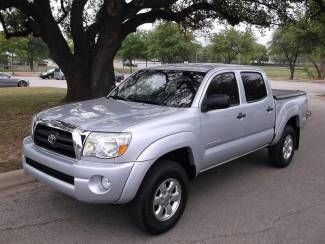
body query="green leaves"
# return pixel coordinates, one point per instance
(30, 49)
(169, 43)
(134, 46)
(230, 43)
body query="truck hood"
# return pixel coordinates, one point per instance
(106, 115)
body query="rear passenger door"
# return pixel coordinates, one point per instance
(260, 110)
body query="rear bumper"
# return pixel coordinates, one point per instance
(86, 187)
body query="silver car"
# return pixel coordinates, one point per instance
(160, 128)
(6, 80)
(58, 74)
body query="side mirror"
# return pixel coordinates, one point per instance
(217, 101)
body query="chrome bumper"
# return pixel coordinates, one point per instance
(84, 173)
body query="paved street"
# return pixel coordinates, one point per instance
(245, 201)
(36, 81)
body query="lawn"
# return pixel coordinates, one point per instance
(276, 72)
(273, 72)
(17, 106)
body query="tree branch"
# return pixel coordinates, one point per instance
(21, 33)
(164, 14)
(65, 12)
(23, 5)
(76, 22)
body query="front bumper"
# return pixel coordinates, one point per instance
(125, 178)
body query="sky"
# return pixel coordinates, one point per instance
(263, 35)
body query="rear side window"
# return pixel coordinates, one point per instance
(225, 84)
(254, 86)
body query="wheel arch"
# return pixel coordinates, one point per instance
(294, 122)
(175, 148)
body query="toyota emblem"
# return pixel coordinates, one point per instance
(51, 139)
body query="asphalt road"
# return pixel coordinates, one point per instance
(244, 201)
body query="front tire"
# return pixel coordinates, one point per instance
(22, 83)
(162, 197)
(282, 153)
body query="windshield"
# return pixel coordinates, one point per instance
(161, 87)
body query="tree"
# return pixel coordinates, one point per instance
(311, 37)
(36, 50)
(134, 46)
(29, 48)
(170, 44)
(260, 54)
(230, 43)
(98, 27)
(285, 43)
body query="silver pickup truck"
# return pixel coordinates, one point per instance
(159, 129)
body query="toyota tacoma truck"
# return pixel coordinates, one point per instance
(159, 129)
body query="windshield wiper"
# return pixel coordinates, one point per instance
(118, 98)
(145, 101)
(134, 100)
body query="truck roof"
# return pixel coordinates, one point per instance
(203, 67)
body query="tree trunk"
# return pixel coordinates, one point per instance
(292, 71)
(78, 84)
(31, 63)
(102, 66)
(319, 73)
(292, 65)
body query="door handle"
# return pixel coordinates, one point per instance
(269, 109)
(241, 115)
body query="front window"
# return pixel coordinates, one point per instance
(225, 84)
(161, 87)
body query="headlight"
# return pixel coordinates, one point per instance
(106, 145)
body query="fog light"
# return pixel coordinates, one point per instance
(106, 183)
(99, 184)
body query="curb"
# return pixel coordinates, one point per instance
(14, 178)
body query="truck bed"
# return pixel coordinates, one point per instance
(280, 94)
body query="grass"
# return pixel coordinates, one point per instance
(277, 72)
(273, 72)
(126, 70)
(17, 106)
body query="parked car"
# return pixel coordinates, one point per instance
(58, 74)
(129, 63)
(160, 128)
(118, 77)
(6, 80)
(49, 74)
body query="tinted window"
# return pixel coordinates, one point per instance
(254, 86)
(162, 87)
(225, 84)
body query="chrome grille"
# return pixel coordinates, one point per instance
(54, 139)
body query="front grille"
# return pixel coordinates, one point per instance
(62, 142)
(52, 172)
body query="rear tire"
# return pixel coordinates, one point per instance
(162, 197)
(282, 153)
